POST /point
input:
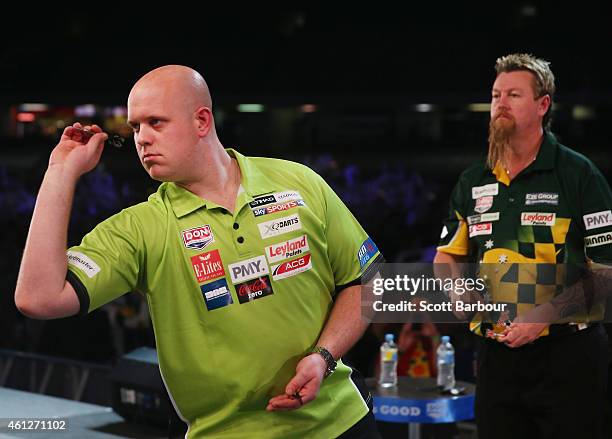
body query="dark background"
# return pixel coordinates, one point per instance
(367, 69)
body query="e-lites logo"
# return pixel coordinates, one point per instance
(277, 208)
(538, 219)
(598, 219)
(198, 237)
(480, 229)
(287, 249)
(216, 294)
(248, 269)
(292, 267)
(207, 266)
(367, 250)
(254, 289)
(279, 226)
(83, 263)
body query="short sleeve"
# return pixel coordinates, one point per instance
(454, 235)
(107, 263)
(352, 253)
(596, 212)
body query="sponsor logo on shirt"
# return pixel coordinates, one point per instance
(287, 249)
(538, 219)
(484, 218)
(598, 219)
(279, 226)
(480, 229)
(486, 190)
(542, 198)
(248, 269)
(198, 237)
(262, 201)
(216, 294)
(483, 204)
(83, 263)
(597, 240)
(292, 267)
(254, 289)
(287, 196)
(367, 250)
(207, 266)
(277, 208)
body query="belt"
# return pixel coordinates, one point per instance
(558, 330)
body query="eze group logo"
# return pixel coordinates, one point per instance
(287, 249)
(292, 267)
(254, 289)
(542, 198)
(207, 266)
(279, 226)
(198, 237)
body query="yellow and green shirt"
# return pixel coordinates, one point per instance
(236, 299)
(529, 232)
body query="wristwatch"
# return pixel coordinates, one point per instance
(328, 357)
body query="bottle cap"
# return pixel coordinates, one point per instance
(445, 339)
(389, 337)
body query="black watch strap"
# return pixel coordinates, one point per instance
(328, 357)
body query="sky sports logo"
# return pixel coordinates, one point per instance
(277, 208)
(279, 226)
(198, 237)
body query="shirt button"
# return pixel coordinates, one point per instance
(236, 226)
(511, 200)
(240, 240)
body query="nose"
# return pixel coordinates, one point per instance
(143, 137)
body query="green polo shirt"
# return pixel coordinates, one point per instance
(554, 215)
(236, 299)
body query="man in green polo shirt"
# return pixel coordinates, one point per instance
(251, 267)
(533, 215)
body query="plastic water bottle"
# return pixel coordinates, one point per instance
(446, 364)
(388, 362)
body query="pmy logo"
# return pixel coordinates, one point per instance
(248, 269)
(598, 219)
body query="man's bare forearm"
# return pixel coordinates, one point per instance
(345, 325)
(44, 263)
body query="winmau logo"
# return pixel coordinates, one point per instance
(597, 240)
(279, 226)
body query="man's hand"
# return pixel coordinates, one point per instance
(303, 387)
(75, 153)
(519, 334)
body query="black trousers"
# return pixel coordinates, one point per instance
(552, 388)
(365, 428)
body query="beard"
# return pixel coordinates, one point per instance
(501, 131)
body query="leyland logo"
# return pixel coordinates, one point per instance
(538, 219)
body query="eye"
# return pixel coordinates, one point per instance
(154, 122)
(135, 128)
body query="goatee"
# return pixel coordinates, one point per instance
(500, 133)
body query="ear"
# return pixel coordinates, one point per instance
(544, 105)
(204, 121)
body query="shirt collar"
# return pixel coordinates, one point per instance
(253, 181)
(544, 160)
